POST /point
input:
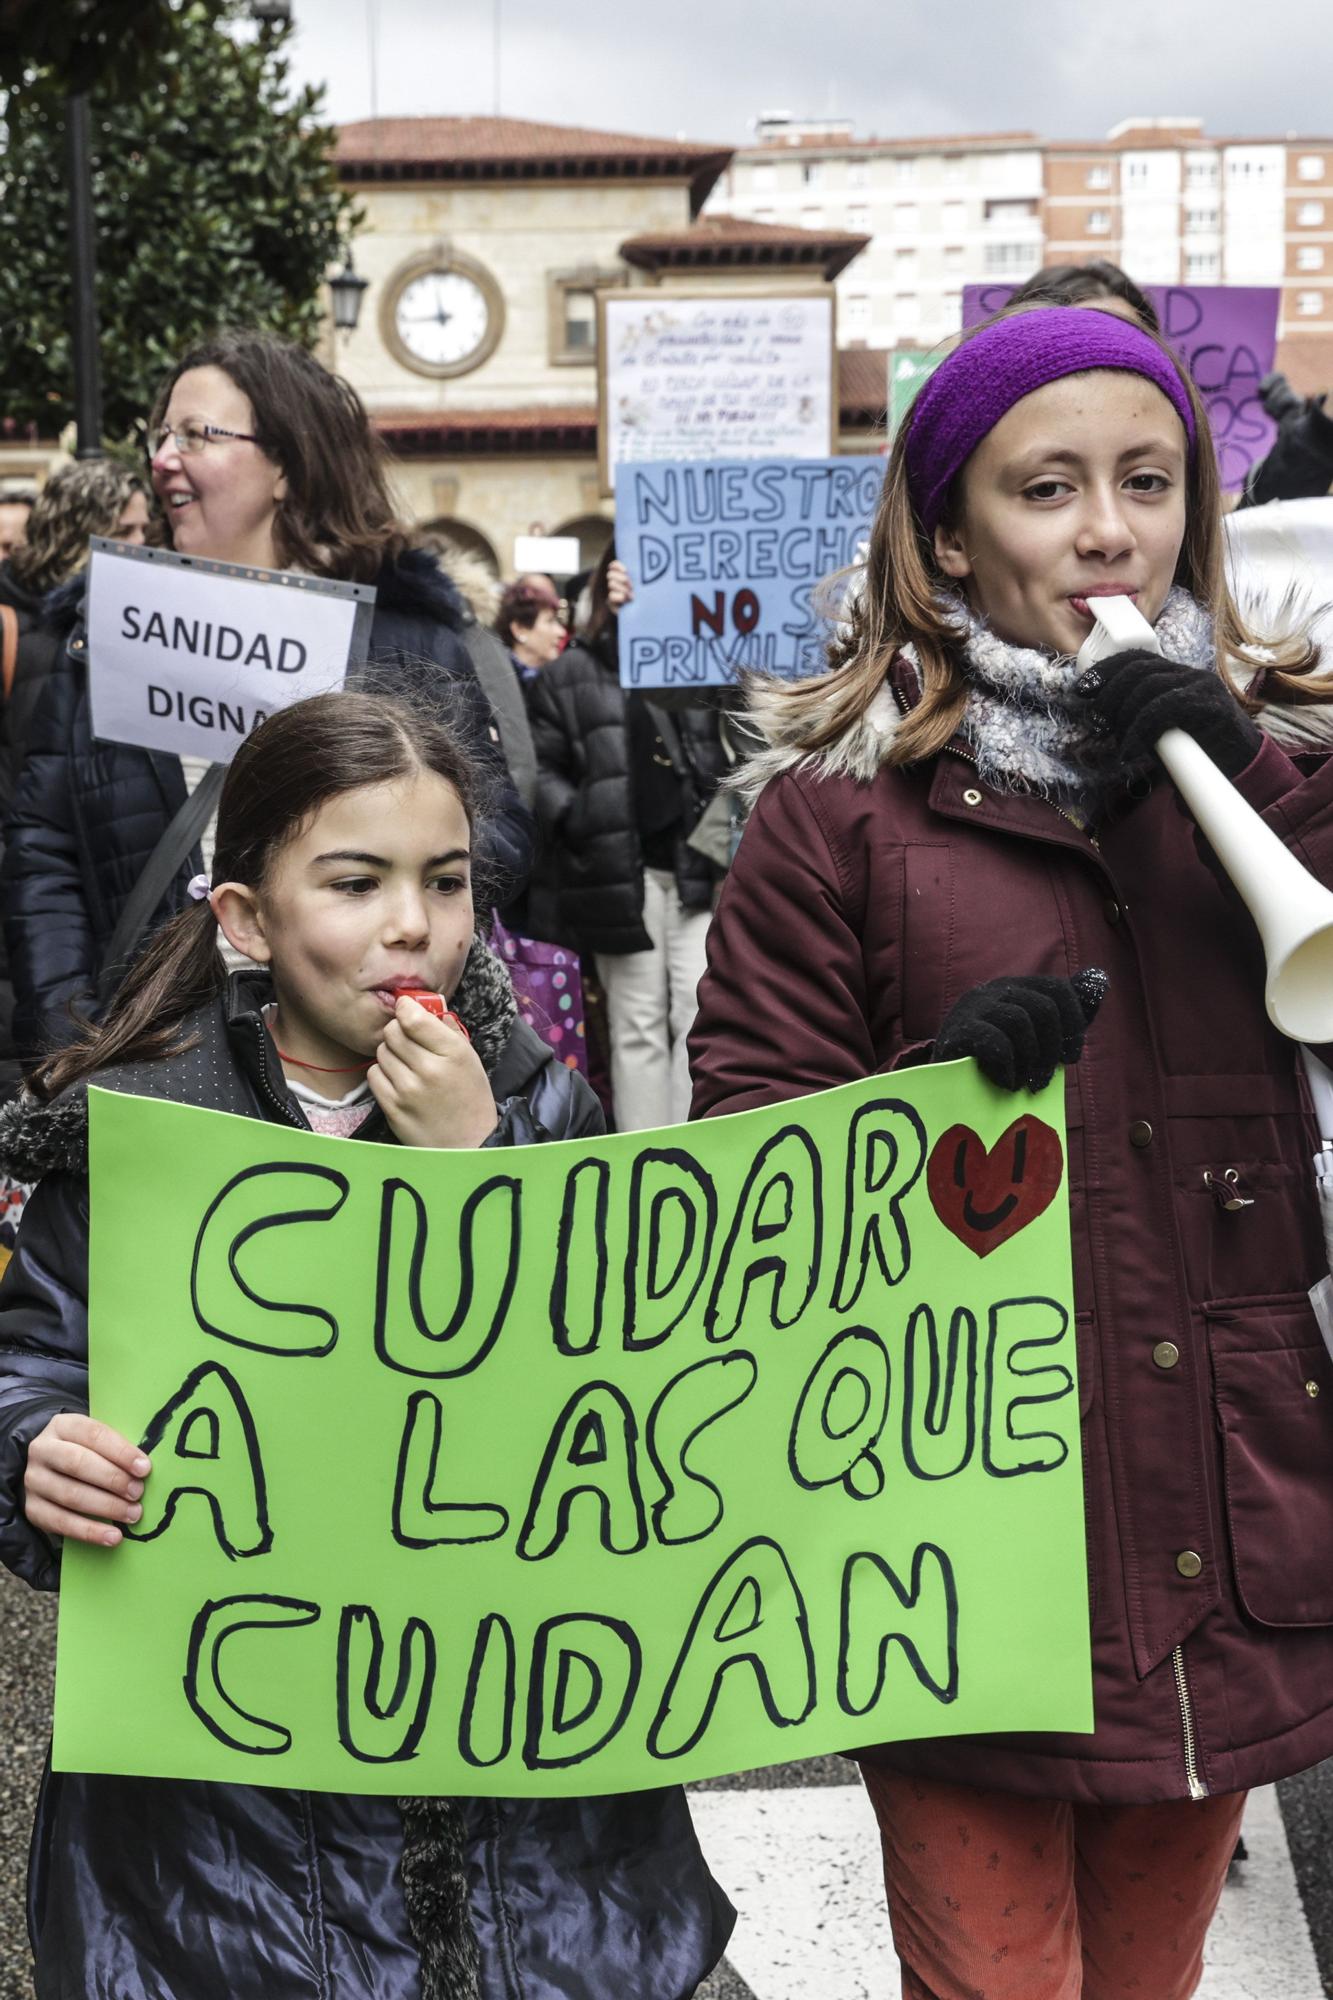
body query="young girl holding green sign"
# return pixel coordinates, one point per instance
(343, 867)
(955, 830)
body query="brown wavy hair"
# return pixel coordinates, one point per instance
(294, 762)
(338, 518)
(903, 598)
(86, 497)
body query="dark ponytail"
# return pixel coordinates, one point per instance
(180, 969)
(285, 770)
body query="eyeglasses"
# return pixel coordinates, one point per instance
(191, 437)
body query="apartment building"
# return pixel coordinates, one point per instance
(1174, 206)
(1157, 195)
(939, 213)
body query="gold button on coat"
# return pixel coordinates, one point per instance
(971, 797)
(1140, 1133)
(1188, 1563)
(1166, 1354)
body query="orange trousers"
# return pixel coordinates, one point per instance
(995, 1897)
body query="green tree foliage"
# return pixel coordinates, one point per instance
(216, 203)
(81, 42)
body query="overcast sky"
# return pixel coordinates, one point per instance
(704, 68)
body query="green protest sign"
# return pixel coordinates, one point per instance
(580, 1468)
(908, 369)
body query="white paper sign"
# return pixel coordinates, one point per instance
(187, 657)
(716, 378)
(552, 555)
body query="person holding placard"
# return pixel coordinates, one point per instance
(343, 870)
(964, 846)
(259, 457)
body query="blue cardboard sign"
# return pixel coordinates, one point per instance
(727, 557)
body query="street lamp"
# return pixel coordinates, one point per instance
(346, 289)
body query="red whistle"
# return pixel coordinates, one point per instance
(434, 1003)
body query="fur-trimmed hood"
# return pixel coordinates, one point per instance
(415, 586)
(45, 1138)
(864, 745)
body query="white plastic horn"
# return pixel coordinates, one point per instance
(1293, 912)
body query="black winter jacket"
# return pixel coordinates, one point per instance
(87, 814)
(585, 802)
(155, 1889)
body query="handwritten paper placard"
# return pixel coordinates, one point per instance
(707, 377)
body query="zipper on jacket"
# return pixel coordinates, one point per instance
(281, 1104)
(1198, 1790)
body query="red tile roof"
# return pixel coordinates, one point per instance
(729, 240)
(517, 149)
(862, 394)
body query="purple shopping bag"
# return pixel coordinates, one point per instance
(548, 989)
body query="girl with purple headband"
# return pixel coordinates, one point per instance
(961, 846)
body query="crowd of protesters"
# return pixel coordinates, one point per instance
(487, 809)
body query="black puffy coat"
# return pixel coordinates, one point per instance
(87, 814)
(590, 855)
(159, 1889)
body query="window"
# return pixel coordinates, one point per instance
(1310, 257)
(764, 177)
(1252, 167)
(1200, 220)
(1310, 167)
(856, 317)
(1136, 174)
(571, 314)
(906, 311)
(1310, 305)
(812, 172)
(1201, 171)
(955, 168)
(955, 217)
(955, 257)
(1310, 215)
(906, 218)
(858, 217)
(812, 218)
(904, 265)
(952, 311)
(1203, 267)
(1010, 211)
(904, 171)
(1099, 222)
(1012, 260)
(1097, 177)
(858, 173)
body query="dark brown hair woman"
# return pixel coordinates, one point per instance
(260, 457)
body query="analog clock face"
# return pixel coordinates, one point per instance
(442, 317)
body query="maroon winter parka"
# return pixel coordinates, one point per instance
(857, 912)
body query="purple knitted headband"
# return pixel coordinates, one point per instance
(985, 376)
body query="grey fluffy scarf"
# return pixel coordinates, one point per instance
(1029, 728)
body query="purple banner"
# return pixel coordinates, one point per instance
(1227, 337)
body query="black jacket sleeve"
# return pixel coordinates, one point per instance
(43, 1354)
(48, 928)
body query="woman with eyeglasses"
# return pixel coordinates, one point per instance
(259, 456)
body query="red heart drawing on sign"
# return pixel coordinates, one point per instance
(983, 1198)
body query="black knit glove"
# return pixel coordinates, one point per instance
(1018, 1030)
(1137, 695)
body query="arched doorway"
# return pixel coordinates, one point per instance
(593, 531)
